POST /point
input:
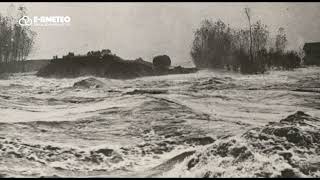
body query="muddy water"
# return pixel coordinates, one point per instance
(49, 127)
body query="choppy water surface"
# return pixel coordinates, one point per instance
(52, 127)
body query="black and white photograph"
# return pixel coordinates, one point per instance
(160, 89)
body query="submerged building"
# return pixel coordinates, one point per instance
(312, 53)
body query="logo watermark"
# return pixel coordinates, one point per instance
(45, 21)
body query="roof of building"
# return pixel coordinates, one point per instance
(312, 45)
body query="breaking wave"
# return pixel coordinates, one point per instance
(289, 148)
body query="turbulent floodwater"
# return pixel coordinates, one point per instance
(142, 127)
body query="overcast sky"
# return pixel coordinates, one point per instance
(133, 30)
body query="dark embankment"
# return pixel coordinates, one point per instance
(109, 66)
(23, 66)
(289, 148)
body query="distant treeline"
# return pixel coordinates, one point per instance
(250, 51)
(16, 41)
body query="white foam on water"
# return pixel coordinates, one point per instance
(215, 103)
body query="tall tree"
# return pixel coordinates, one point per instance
(281, 40)
(212, 43)
(248, 14)
(16, 41)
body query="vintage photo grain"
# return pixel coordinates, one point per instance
(207, 89)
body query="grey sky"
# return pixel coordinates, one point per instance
(133, 30)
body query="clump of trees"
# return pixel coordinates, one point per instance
(16, 41)
(161, 62)
(251, 50)
(103, 52)
(100, 54)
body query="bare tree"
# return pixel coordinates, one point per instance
(281, 40)
(248, 14)
(260, 35)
